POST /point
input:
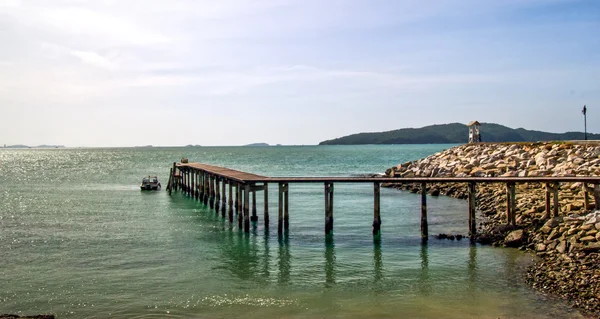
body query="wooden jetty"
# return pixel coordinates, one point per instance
(226, 190)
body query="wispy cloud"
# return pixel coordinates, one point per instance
(289, 56)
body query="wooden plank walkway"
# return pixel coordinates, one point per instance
(231, 174)
(208, 183)
(244, 177)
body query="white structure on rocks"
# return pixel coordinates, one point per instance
(474, 135)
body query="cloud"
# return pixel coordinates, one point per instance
(285, 56)
(94, 59)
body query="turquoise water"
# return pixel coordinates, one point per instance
(80, 240)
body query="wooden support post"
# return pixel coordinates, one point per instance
(555, 199)
(187, 181)
(472, 207)
(254, 216)
(280, 220)
(170, 181)
(328, 208)
(201, 186)
(238, 199)
(182, 176)
(424, 225)
(218, 194)
(586, 199)
(230, 210)
(192, 183)
(198, 183)
(206, 187)
(596, 196)
(223, 198)
(212, 192)
(183, 181)
(247, 208)
(286, 206)
(508, 202)
(513, 204)
(266, 204)
(376, 210)
(547, 213)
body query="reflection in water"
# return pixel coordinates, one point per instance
(472, 271)
(265, 271)
(377, 262)
(240, 256)
(329, 264)
(424, 282)
(284, 259)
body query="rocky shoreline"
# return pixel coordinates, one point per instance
(567, 246)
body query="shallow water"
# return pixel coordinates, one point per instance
(80, 240)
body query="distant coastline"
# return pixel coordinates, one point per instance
(455, 133)
(39, 146)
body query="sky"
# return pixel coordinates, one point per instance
(292, 72)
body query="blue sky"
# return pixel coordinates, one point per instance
(233, 72)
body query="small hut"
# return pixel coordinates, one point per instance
(474, 135)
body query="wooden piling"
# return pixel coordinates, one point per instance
(424, 225)
(472, 208)
(247, 208)
(547, 213)
(328, 208)
(184, 181)
(224, 198)
(195, 183)
(286, 208)
(596, 194)
(555, 199)
(170, 181)
(213, 192)
(376, 210)
(230, 210)
(508, 204)
(197, 187)
(586, 199)
(266, 204)
(218, 194)
(238, 199)
(280, 219)
(513, 204)
(254, 216)
(187, 181)
(200, 186)
(206, 188)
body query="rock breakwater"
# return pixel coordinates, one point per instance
(567, 245)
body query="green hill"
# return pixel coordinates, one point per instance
(455, 133)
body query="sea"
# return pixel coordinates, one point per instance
(80, 240)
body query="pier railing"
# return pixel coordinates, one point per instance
(226, 190)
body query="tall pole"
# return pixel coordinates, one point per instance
(584, 111)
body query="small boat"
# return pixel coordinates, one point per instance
(150, 183)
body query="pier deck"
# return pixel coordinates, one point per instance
(208, 183)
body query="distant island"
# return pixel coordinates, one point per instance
(39, 146)
(455, 133)
(257, 144)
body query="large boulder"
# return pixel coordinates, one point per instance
(515, 238)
